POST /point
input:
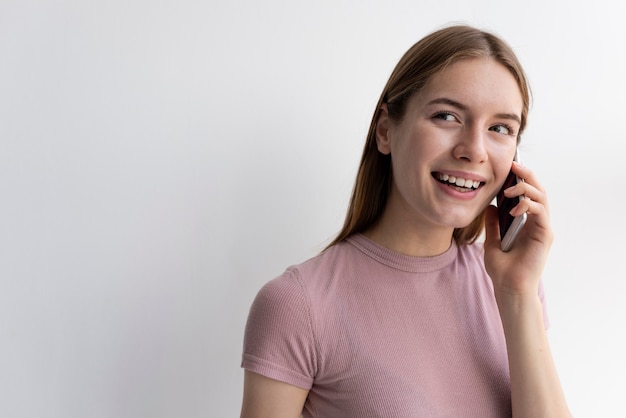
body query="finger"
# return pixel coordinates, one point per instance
(527, 191)
(538, 223)
(528, 187)
(532, 209)
(527, 175)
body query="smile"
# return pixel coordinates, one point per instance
(459, 182)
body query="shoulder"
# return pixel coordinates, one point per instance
(280, 337)
(301, 288)
(289, 294)
(281, 298)
(472, 255)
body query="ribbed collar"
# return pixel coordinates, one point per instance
(400, 261)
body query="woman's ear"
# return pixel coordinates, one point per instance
(383, 123)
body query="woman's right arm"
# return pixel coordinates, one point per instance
(268, 398)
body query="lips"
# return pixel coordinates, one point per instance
(460, 182)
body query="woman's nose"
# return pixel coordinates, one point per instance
(472, 145)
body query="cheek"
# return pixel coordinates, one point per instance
(502, 172)
(502, 162)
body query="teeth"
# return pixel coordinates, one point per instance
(458, 181)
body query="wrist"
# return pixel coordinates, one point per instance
(513, 304)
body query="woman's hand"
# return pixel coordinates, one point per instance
(535, 386)
(518, 271)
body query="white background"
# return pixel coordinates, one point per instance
(161, 160)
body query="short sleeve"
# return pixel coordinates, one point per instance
(278, 339)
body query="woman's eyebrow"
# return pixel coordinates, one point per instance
(446, 101)
(511, 116)
(462, 107)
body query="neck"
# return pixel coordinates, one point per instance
(409, 238)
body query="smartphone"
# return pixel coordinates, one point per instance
(510, 225)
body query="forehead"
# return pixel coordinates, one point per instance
(480, 83)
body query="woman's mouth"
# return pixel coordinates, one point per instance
(458, 183)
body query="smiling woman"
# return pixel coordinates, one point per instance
(405, 314)
(454, 126)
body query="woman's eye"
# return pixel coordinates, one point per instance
(502, 129)
(445, 116)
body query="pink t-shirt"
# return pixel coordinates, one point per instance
(373, 333)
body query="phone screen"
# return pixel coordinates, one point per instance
(510, 225)
(505, 205)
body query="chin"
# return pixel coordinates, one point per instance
(464, 222)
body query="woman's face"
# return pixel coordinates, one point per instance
(453, 148)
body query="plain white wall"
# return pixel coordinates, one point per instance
(161, 160)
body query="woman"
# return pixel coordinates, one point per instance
(405, 314)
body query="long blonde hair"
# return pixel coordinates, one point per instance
(427, 57)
